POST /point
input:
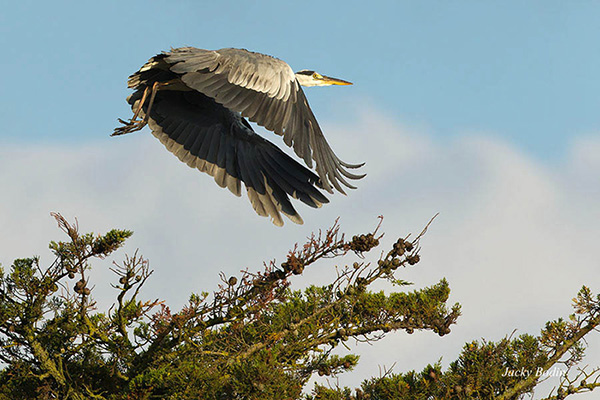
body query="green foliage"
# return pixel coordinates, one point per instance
(254, 338)
(507, 369)
(48, 338)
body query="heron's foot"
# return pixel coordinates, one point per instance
(129, 126)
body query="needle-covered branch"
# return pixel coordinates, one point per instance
(508, 369)
(47, 325)
(254, 337)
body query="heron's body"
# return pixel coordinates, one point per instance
(196, 103)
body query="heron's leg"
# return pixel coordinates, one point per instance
(155, 88)
(133, 124)
(140, 105)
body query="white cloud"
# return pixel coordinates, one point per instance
(515, 237)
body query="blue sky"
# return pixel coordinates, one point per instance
(524, 72)
(486, 112)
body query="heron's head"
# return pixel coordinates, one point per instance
(312, 78)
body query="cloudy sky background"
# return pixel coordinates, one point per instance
(485, 113)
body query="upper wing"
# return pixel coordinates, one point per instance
(263, 89)
(207, 136)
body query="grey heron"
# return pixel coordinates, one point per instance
(197, 103)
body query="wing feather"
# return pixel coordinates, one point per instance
(213, 149)
(270, 96)
(209, 137)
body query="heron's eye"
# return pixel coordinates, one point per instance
(316, 75)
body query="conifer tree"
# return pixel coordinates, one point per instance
(255, 337)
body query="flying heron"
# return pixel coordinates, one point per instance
(197, 102)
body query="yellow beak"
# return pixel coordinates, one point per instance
(334, 81)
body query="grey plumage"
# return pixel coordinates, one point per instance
(194, 101)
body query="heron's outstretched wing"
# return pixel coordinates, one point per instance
(207, 136)
(263, 89)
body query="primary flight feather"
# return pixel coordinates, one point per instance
(196, 103)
